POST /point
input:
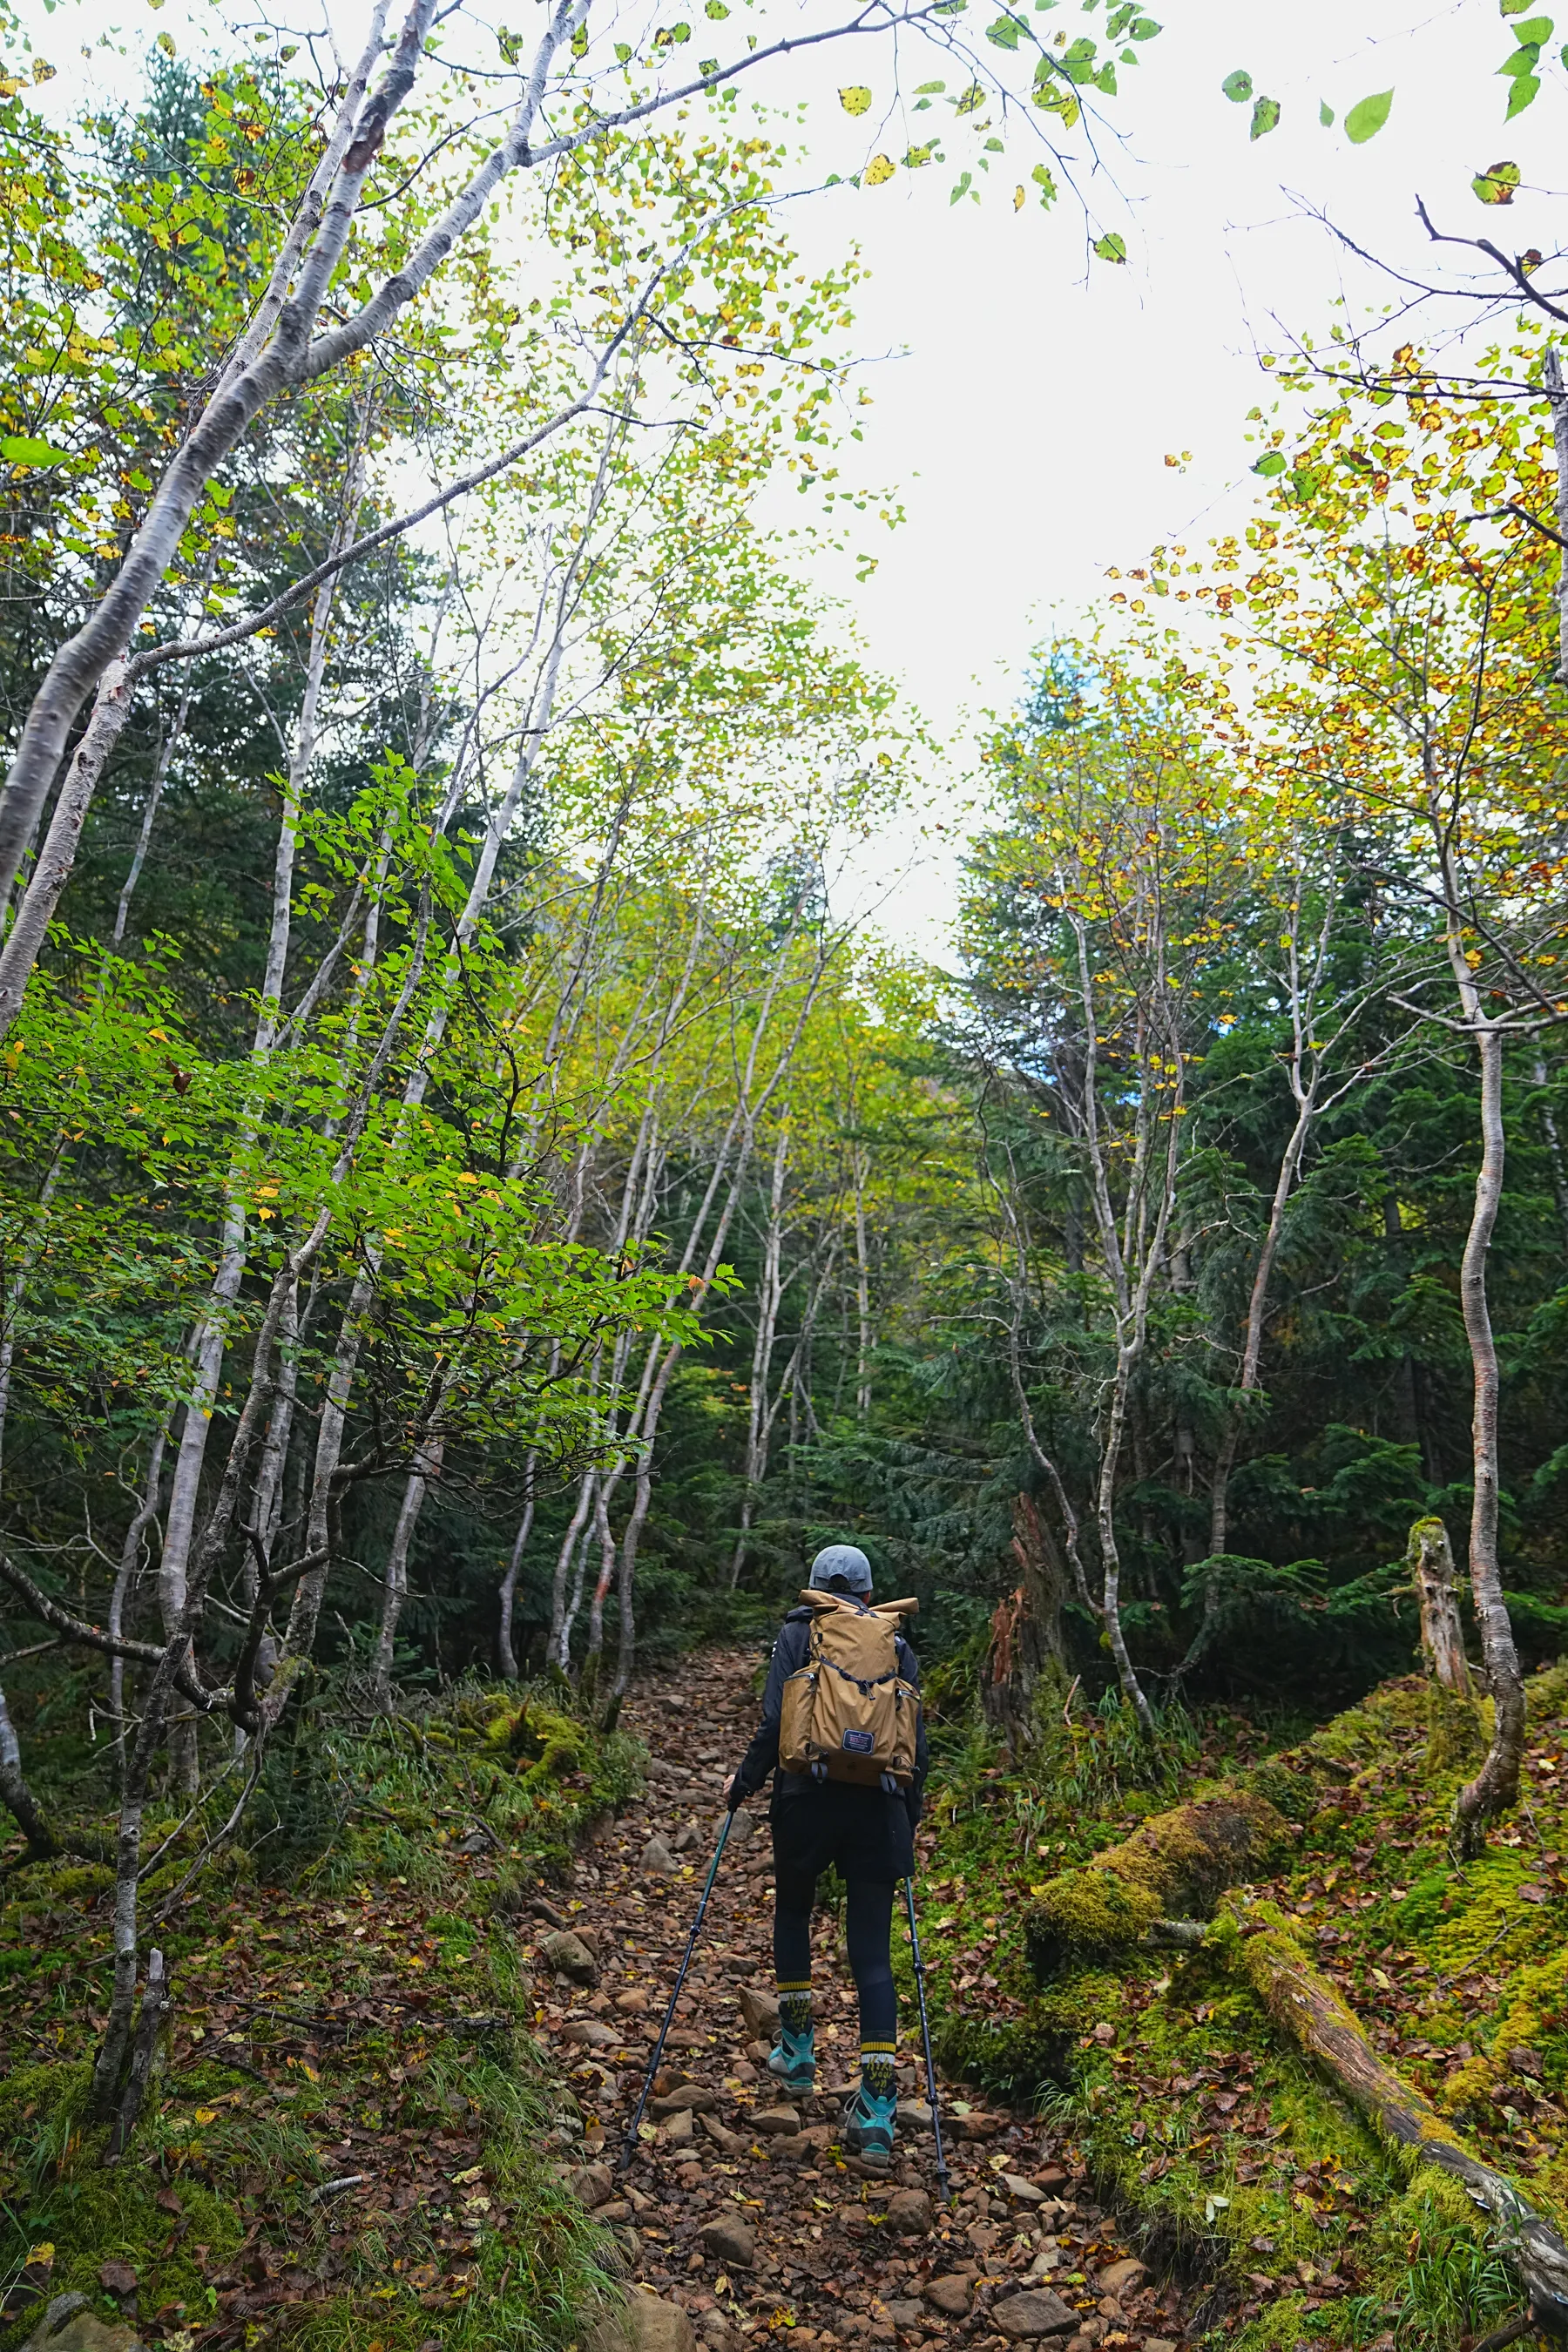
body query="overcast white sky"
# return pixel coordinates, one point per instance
(1027, 424)
(1028, 396)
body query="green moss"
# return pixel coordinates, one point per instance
(242, 2157)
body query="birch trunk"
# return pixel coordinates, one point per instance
(506, 1656)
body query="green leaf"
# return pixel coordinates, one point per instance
(1325, 112)
(1535, 28)
(1523, 92)
(1110, 247)
(1367, 117)
(1237, 87)
(1272, 464)
(715, 8)
(1522, 61)
(1145, 29)
(1046, 185)
(1265, 118)
(1496, 185)
(1512, 7)
(1003, 33)
(21, 449)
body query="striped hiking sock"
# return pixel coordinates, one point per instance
(877, 2064)
(794, 2007)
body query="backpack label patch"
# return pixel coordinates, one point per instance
(858, 1742)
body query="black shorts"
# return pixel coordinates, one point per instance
(864, 1832)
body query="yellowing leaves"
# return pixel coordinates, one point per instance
(880, 168)
(855, 99)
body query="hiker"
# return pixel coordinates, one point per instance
(844, 1809)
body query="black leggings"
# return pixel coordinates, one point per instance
(869, 1925)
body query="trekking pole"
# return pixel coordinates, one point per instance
(941, 2188)
(629, 2149)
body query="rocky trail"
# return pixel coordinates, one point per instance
(739, 2214)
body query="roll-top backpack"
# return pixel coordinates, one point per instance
(847, 1713)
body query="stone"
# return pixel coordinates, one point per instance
(685, 1837)
(686, 2094)
(728, 2143)
(914, 2114)
(760, 2012)
(906, 2310)
(779, 2121)
(742, 1826)
(1159, 2343)
(593, 2183)
(1036, 2312)
(1023, 2190)
(952, 2296)
(717, 2331)
(1124, 2277)
(657, 1859)
(566, 1955)
(1049, 2259)
(680, 2131)
(645, 2324)
(589, 2034)
(613, 2214)
(975, 2126)
(731, 2240)
(911, 2212)
(632, 2004)
(68, 2326)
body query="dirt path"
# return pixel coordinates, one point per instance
(742, 2211)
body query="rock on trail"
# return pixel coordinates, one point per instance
(739, 2216)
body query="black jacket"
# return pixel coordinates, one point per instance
(762, 1757)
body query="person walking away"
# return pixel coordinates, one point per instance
(848, 1789)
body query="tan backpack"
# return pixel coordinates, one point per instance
(847, 1713)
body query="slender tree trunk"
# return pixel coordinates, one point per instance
(1553, 1144)
(154, 794)
(862, 1293)
(211, 1341)
(506, 1656)
(428, 1466)
(559, 1651)
(759, 1421)
(144, 1516)
(1496, 1786)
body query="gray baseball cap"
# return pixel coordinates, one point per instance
(842, 1563)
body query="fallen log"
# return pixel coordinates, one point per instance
(1252, 1941)
(1178, 1864)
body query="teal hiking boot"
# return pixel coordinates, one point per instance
(793, 2060)
(869, 2123)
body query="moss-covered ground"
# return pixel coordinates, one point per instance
(354, 2144)
(1166, 2078)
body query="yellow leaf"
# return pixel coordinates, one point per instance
(880, 168)
(206, 2114)
(856, 99)
(1018, 198)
